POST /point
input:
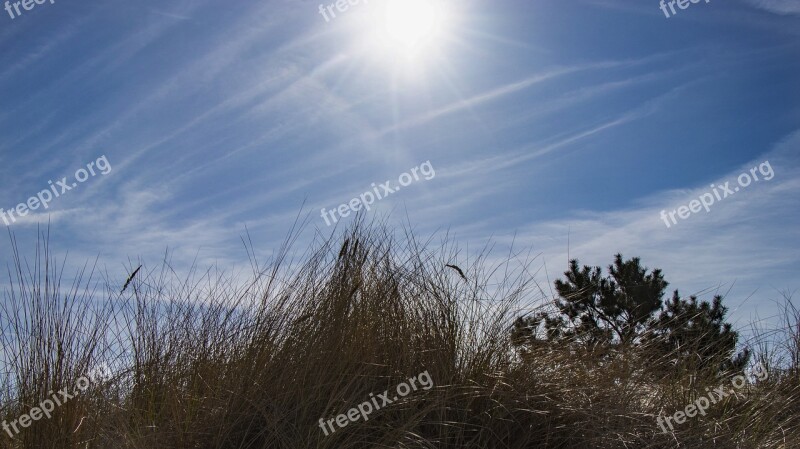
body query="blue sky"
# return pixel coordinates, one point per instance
(545, 121)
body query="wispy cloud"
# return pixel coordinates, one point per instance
(750, 243)
(783, 7)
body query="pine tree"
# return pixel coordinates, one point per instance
(627, 308)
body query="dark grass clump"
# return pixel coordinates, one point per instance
(223, 361)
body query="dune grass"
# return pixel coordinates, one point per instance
(211, 360)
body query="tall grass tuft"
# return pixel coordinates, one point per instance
(214, 360)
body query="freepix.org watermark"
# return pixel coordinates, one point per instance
(704, 402)
(46, 407)
(682, 4)
(366, 407)
(367, 198)
(43, 198)
(706, 200)
(27, 5)
(341, 5)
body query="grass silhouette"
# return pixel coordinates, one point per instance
(213, 361)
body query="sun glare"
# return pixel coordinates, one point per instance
(408, 22)
(407, 28)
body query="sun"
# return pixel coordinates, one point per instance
(408, 29)
(411, 22)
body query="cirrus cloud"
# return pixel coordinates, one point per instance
(782, 7)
